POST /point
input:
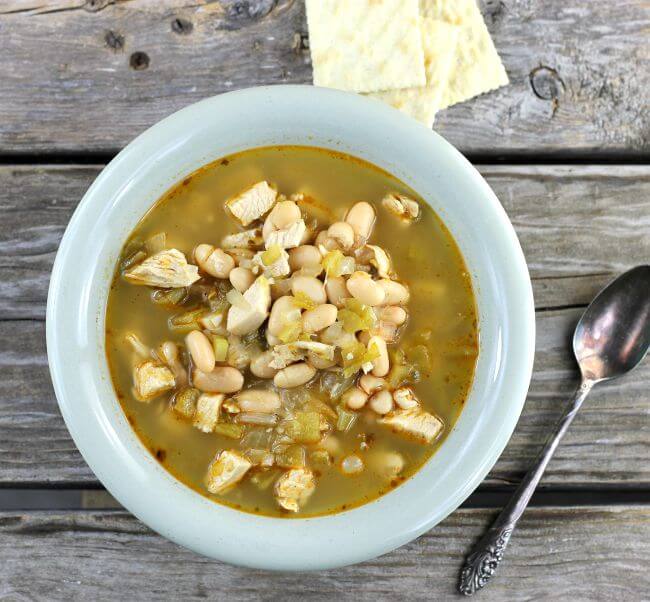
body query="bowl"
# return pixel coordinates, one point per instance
(277, 115)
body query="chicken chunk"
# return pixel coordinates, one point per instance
(152, 379)
(288, 238)
(402, 206)
(208, 407)
(165, 269)
(277, 269)
(294, 487)
(226, 470)
(321, 350)
(414, 423)
(284, 355)
(242, 320)
(253, 203)
(242, 240)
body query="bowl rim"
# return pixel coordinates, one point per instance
(95, 438)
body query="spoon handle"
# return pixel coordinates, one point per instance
(482, 563)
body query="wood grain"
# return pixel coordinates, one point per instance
(88, 76)
(578, 226)
(582, 553)
(608, 443)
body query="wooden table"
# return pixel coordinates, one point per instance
(565, 147)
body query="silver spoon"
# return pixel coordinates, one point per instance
(611, 338)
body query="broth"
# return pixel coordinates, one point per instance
(442, 321)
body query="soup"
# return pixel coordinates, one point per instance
(291, 331)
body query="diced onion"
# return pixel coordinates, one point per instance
(156, 243)
(257, 418)
(236, 299)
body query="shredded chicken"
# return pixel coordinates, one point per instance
(240, 320)
(248, 238)
(294, 487)
(151, 379)
(414, 423)
(287, 238)
(226, 470)
(277, 269)
(208, 407)
(165, 269)
(253, 203)
(284, 355)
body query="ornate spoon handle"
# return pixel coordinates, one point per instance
(482, 563)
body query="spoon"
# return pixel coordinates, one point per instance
(611, 338)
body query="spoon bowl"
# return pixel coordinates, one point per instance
(613, 334)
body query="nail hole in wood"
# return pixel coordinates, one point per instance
(139, 61)
(182, 26)
(114, 40)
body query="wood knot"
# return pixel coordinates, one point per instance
(114, 40)
(546, 83)
(240, 13)
(494, 10)
(94, 6)
(139, 61)
(182, 26)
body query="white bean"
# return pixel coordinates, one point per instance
(241, 279)
(352, 464)
(355, 398)
(335, 335)
(258, 400)
(371, 384)
(201, 350)
(284, 214)
(361, 286)
(214, 261)
(260, 365)
(380, 365)
(319, 318)
(342, 233)
(223, 379)
(336, 290)
(388, 464)
(394, 292)
(303, 256)
(310, 286)
(405, 398)
(169, 352)
(280, 311)
(323, 240)
(271, 339)
(381, 402)
(362, 218)
(393, 314)
(294, 375)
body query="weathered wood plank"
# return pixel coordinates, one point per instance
(112, 556)
(79, 76)
(607, 444)
(579, 226)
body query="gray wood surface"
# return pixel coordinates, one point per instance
(88, 76)
(585, 553)
(578, 225)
